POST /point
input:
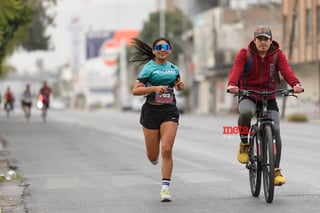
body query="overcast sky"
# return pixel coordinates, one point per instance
(92, 14)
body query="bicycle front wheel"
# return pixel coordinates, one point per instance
(254, 165)
(8, 109)
(268, 164)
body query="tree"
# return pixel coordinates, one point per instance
(15, 31)
(176, 24)
(36, 37)
(14, 14)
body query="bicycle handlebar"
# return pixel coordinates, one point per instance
(283, 92)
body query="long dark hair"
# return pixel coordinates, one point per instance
(144, 52)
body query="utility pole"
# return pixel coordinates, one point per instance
(162, 17)
(75, 64)
(124, 90)
(75, 30)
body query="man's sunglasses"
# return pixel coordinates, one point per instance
(165, 47)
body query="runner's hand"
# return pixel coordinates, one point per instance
(160, 89)
(179, 85)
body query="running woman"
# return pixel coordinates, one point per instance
(159, 114)
(26, 101)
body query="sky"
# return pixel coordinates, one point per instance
(91, 14)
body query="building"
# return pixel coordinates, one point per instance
(218, 34)
(301, 27)
(221, 28)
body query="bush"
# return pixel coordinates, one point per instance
(298, 117)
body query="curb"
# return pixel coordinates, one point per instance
(11, 191)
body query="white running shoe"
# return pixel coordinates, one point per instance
(165, 196)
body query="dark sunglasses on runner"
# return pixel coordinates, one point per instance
(165, 47)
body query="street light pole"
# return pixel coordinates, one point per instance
(124, 90)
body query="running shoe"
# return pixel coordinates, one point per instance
(165, 196)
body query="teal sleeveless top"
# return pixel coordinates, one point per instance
(153, 74)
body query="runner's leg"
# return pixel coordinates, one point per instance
(152, 141)
(168, 131)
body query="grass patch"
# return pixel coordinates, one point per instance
(297, 117)
(3, 179)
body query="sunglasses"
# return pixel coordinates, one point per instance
(165, 47)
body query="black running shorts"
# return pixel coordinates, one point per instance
(153, 115)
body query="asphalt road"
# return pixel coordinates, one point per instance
(95, 161)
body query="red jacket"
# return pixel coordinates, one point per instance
(45, 91)
(261, 76)
(9, 97)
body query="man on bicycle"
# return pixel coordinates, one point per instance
(256, 68)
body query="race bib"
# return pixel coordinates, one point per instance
(165, 98)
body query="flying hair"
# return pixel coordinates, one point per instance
(144, 52)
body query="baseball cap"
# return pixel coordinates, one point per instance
(263, 31)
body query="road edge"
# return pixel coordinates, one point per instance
(11, 191)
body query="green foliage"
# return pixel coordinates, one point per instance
(36, 37)
(298, 117)
(14, 18)
(176, 24)
(14, 14)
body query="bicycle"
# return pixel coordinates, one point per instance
(8, 107)
(262, 145)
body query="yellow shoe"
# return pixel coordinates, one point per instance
(278, 178)
(243, 156)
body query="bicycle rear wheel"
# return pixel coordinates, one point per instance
(254, 165)
(268, 164)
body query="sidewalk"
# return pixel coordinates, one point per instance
(11, 192)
